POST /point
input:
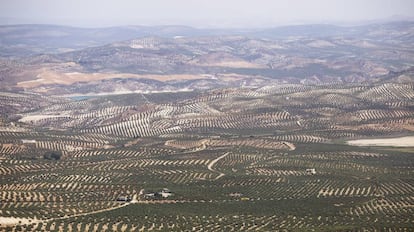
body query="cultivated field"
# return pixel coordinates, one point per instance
(234, 159)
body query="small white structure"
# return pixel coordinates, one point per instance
(166, 193)
(311, 171)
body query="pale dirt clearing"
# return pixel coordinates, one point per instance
(291, 146)
(233, 64)
(15, 221)
(39, 117)
(45, 77)
(321, 44)
(407, 141)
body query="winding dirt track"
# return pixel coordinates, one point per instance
(25, 221)
(89, 213)
(211, 164)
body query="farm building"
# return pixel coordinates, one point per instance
(311, 171)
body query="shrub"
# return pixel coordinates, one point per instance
(53, 155)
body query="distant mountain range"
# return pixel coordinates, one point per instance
(18, 40)
(58, 59)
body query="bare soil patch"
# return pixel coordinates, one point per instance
(407, 141)
(15, 220)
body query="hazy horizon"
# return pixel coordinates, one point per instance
(214, 13)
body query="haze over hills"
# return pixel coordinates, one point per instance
(55, 59)
(35, 39)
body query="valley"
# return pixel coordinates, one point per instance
(149, 129)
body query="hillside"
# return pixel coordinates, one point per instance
(281, 55)
(298, 128)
